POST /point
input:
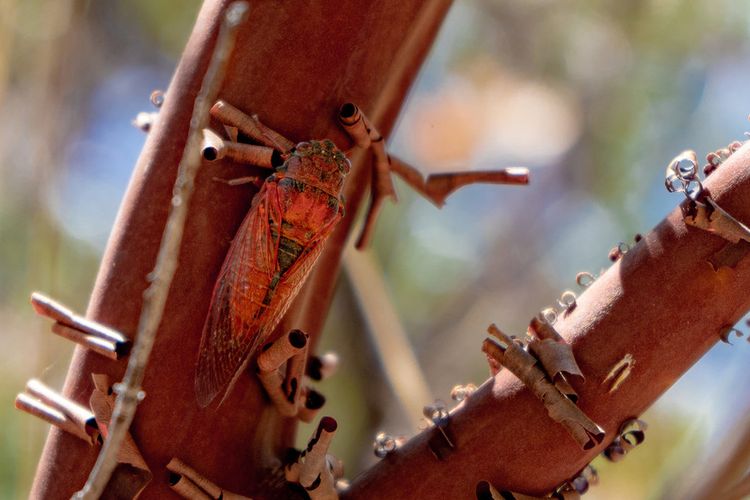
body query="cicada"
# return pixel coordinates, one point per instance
(284, 232)
(272, 253)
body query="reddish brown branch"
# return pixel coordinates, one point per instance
(662, 303)
(368, 52)
(167, 259)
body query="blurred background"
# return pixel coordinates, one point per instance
(594, 97)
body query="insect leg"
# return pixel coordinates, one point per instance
(258, 181)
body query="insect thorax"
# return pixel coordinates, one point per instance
(318, 164)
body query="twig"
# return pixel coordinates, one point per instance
(155, 296)
(615, 316)
(437, 187)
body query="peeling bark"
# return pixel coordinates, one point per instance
(662, 303)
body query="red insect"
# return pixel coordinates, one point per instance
(269, 259)
(284, 231)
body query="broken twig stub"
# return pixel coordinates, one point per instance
(52, 407)
(90, 334)
(314, 469)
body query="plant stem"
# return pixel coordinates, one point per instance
(661, 303)
(155, 297)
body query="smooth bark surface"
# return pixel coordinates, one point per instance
(662, 303)
(294, 64)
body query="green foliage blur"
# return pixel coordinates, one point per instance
(595, 97)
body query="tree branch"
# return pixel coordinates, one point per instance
(155, 296)
(294, 65)
(661, 302)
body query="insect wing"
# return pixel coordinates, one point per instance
(241, 316)
(237, 313)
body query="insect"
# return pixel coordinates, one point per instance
(269, 259)
(284, 232)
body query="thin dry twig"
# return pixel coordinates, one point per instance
(155, 296)
(131, 473)
(437, 187)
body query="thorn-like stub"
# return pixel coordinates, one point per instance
(328, 424)
(88, 333)
(315, 400)
(298, 338)
(282, 349)
(349, 113)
